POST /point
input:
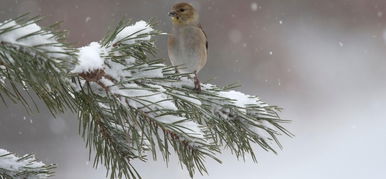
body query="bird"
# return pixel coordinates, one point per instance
(187, 41)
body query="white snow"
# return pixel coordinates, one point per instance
(267, 125)
(2, 80)
(254, 6)
(158, 87)
(89, 58)
(186, 97)
(379, 13)
(263, 134)
(188, 127)
(116, 70)
(87, 19)
(240, 100)
(14, 165)
(139, 28)
(247, 104)
(43, 39)
(145, 98)
(184, 82)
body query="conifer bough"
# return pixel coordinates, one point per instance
(129, 104)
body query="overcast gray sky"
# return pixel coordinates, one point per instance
(322, 61)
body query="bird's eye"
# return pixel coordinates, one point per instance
(182, 10)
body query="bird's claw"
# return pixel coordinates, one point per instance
(197, 84)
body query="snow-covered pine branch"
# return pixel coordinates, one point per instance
(130, 105)
(26, 167)
(38, 58)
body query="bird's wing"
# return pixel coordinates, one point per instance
(206, 38)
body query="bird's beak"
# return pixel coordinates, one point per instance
(172, 14)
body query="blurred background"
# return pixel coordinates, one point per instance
(322, 61)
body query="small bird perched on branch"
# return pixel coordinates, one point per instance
(187, 43)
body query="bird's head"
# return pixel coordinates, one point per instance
(183, 14)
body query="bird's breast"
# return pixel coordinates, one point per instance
(187, 48)
(187, 41)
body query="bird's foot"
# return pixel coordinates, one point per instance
(197, 83)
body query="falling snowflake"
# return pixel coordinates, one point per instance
(254, 6)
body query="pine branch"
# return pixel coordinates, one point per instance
(128, 104)
(140, 104)
(35, 59)
(14, 167)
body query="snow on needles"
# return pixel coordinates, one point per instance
(15, 165)
(31, 35)
(134, 32)
(89, 58)
(241, 100)
(250, 106)
(151, 98)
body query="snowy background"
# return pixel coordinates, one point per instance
(322, 61)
